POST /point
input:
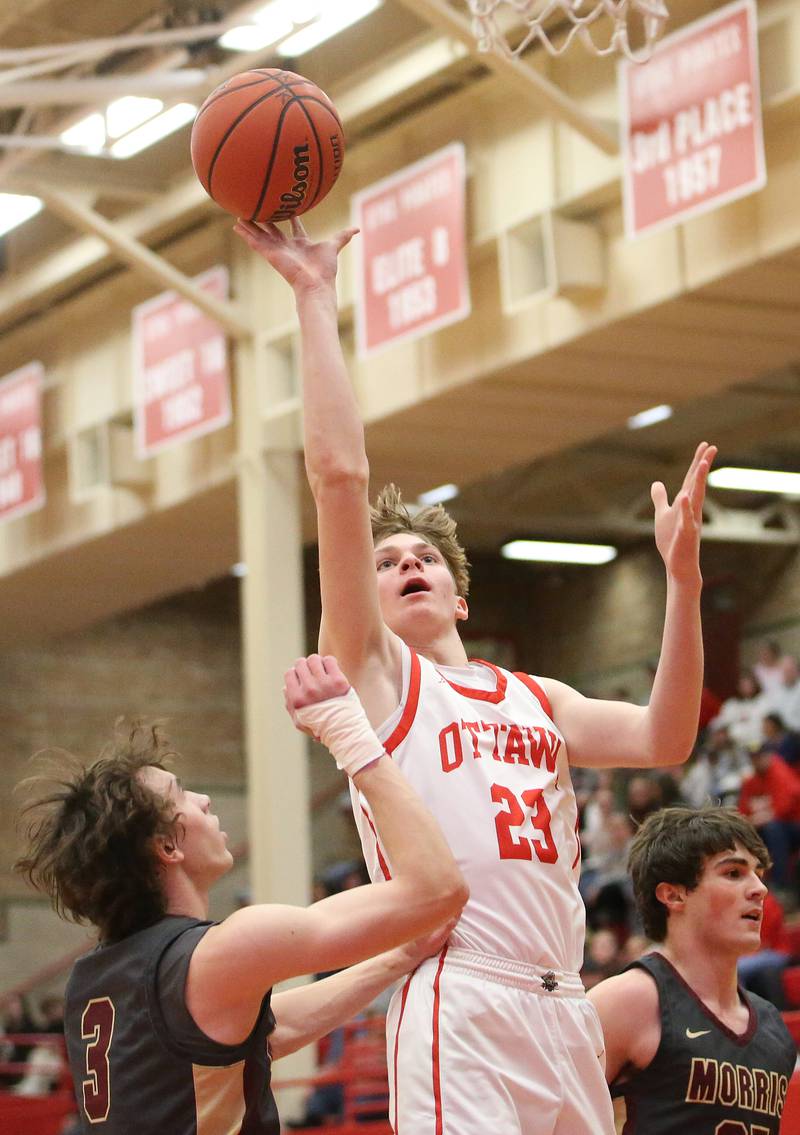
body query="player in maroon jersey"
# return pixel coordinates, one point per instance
(169, 1022)
(685, 1045)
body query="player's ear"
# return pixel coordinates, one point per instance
(672, 895)
(167, 851)
(462, 610)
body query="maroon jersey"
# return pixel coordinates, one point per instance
(705, 1079)
(139, 1061)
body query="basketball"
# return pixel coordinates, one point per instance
(267, 145)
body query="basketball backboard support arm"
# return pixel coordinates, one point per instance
(529, 82)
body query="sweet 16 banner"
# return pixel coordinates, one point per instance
(21, 480)
(691, 116)
(412, 252)
(180, 368)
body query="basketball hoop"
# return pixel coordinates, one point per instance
(496, 21)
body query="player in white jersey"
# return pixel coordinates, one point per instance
(494, 1035)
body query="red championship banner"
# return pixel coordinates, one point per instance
(21, 480)
(691, 121)
(412, 253)
(180, 368)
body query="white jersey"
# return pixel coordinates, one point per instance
(479, 745)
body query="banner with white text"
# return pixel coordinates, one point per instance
(180, 368)
(411, 255)
(21, 479)
(691, 121)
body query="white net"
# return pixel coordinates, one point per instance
(603, 26)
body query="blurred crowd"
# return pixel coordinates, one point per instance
(747, 757)
(30, 1063)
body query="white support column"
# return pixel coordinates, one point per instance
(273, 635)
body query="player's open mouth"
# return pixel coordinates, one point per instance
(753, 916)
(414, 586)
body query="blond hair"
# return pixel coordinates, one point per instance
(436, 527)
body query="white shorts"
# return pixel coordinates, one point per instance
(479, 1045)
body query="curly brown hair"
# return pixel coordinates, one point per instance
(672, 846)
(437, 527)
(89, 832)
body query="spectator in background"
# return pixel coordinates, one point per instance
(784, 699)
(606, 890)
(595, 837)
(770, 798)
(602, 958)
(767, 667)
(715, 775)
(16, 1021)
(778, 739)
(710, 705)
(762, 972)
(51, 1014)
(743, 714)
(643, 796)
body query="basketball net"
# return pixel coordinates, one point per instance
(496, 21)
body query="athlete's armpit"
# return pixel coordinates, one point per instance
(628, 1008)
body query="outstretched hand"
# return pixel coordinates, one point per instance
(303, 263)
(311, 680)
(678, 525)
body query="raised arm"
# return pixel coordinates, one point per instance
(335, 454)
(236, 962)
(662, 733)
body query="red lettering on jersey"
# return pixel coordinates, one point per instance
(473, 728)
(493, 727)
(451, 761)
(544, 745)
(515, 747)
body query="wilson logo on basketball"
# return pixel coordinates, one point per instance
(295, 197)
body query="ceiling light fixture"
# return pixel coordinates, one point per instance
(558, 552)
(154, 130)
(87, 134)
(15, 209)
(128, 112)
(650, 417)
(438, 495)
(333, 19)
(755, 480)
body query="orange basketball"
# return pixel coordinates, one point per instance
(267, 145)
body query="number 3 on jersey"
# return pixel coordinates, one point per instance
(515, 845)
(97, 1026)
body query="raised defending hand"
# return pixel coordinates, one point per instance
(303, 263)
(678, 525)
(311, 680)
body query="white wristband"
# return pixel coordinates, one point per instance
(341, 725)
